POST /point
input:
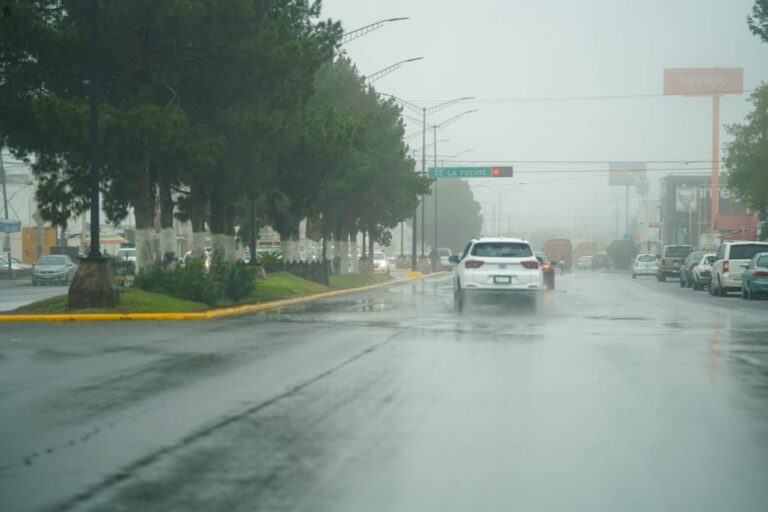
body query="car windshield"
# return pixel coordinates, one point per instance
(762, 261)
(677, 251)
(52, 260)
(646, 258)
(746, 251)
(502, 250)
(709, 260)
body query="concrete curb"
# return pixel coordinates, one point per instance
(204, 315)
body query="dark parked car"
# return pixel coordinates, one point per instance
(600, 261)
(686, 268)
(548, 268)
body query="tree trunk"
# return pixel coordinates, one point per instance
(197, 208)
(144, 211)
(222, 226)
(353, 251)
(167, 232)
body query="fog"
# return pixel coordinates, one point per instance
(563, 88)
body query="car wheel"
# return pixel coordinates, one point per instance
(682, 283)
(750, 295)
(696, 285)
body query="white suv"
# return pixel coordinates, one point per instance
(497, 267)
(730, 262)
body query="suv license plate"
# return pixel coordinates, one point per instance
(502, 279)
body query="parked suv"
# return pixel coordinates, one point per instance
(497, 268)
(731, 260)
(671, 258)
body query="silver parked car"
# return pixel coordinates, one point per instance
(53, 269)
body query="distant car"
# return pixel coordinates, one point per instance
(687, 266)
(584, 262)
(496, 268)
(702, 273)
(754, 279)
(548, 269)
(53, 269)
(445, 255)
(644, 265)
(670, 259)
(600, 261)
(731, 260)
(380, 263)
(127, 254)
(16, 265)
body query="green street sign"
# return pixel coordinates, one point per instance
(470, 172)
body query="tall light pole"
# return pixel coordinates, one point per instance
(436, 127)
(359, 32)
(424, 111)
(389, 69)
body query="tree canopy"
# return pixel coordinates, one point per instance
(747, 155)
(204, 106)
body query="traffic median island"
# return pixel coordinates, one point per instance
(275, 291)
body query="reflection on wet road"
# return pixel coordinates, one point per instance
(616, 395)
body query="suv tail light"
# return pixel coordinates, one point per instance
(473, 264)
(545, 266)
(530, 264)
(726, 266)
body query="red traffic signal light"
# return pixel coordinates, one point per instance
(501, 172)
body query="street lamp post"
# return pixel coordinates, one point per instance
(424, 111)
(93, 285)
(354, 34)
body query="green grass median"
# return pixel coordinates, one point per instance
(274, 287)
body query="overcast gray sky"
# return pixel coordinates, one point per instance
(516, 56)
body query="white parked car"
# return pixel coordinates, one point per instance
(128, 254)
(497, 268)
(644, 265)
(731, 260)
(702, 272)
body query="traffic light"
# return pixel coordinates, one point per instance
(502, 172)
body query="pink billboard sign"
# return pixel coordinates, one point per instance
(706, 81)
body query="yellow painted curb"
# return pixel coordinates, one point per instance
(202, 315)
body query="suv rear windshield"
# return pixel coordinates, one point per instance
(746, 251)
(502, 250)
(677, 251)
(646, 258)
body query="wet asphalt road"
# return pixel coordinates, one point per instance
(619, 395)
(19, 292)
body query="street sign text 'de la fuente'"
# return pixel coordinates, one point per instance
(471, 172)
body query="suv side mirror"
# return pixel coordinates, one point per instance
(454, 258)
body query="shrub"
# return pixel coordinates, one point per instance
(271, 261)
(194, 282)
